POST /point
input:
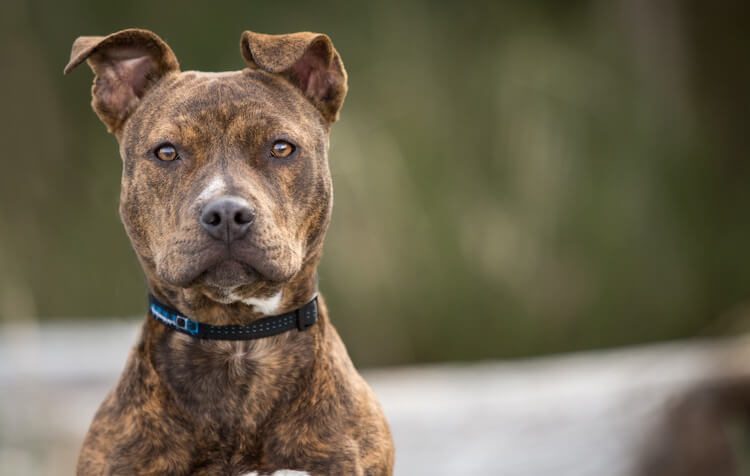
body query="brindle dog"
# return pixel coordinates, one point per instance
(252, 146)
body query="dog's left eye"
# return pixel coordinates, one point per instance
(166, 152)
(282, 149)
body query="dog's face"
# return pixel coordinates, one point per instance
(225, 186)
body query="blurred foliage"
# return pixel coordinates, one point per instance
(511, 178)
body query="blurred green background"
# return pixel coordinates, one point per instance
(512, 177)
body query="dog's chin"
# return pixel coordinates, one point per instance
(227, 275)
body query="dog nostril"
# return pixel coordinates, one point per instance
(212, 219)
(244, 216)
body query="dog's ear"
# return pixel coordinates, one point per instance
(307, 60)
(126, 64)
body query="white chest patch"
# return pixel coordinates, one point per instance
(267, 306)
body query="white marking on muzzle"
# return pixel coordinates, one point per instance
(215, 187)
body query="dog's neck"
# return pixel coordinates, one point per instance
(242, 305)
(233, 370)
(249, 378)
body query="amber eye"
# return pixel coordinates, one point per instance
(282, 149)
(166, 152)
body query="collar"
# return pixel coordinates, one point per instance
(299, 319)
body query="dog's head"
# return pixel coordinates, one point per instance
(226, 188)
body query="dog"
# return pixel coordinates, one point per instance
(226, 197)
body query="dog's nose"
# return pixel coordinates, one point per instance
(227, 218)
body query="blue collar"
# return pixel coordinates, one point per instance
(299, 319)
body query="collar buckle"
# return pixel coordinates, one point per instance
(186, 324)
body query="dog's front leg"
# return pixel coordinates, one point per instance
(133, 431)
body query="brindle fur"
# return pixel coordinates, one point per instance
(189, 406)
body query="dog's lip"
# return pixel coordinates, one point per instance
(205, 263)
(248, 260)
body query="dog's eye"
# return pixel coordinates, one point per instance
(166, 152)
(281, 149)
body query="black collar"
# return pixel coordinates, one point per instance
(300, 319)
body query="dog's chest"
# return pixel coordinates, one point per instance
(228, 389)
(232, 384)
(205, 376)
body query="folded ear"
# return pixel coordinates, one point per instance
(126, 64)
(307, 60)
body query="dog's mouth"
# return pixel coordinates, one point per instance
(225, 267)
(231, 267)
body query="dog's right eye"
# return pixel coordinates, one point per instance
(166, 152)
(282, 149)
